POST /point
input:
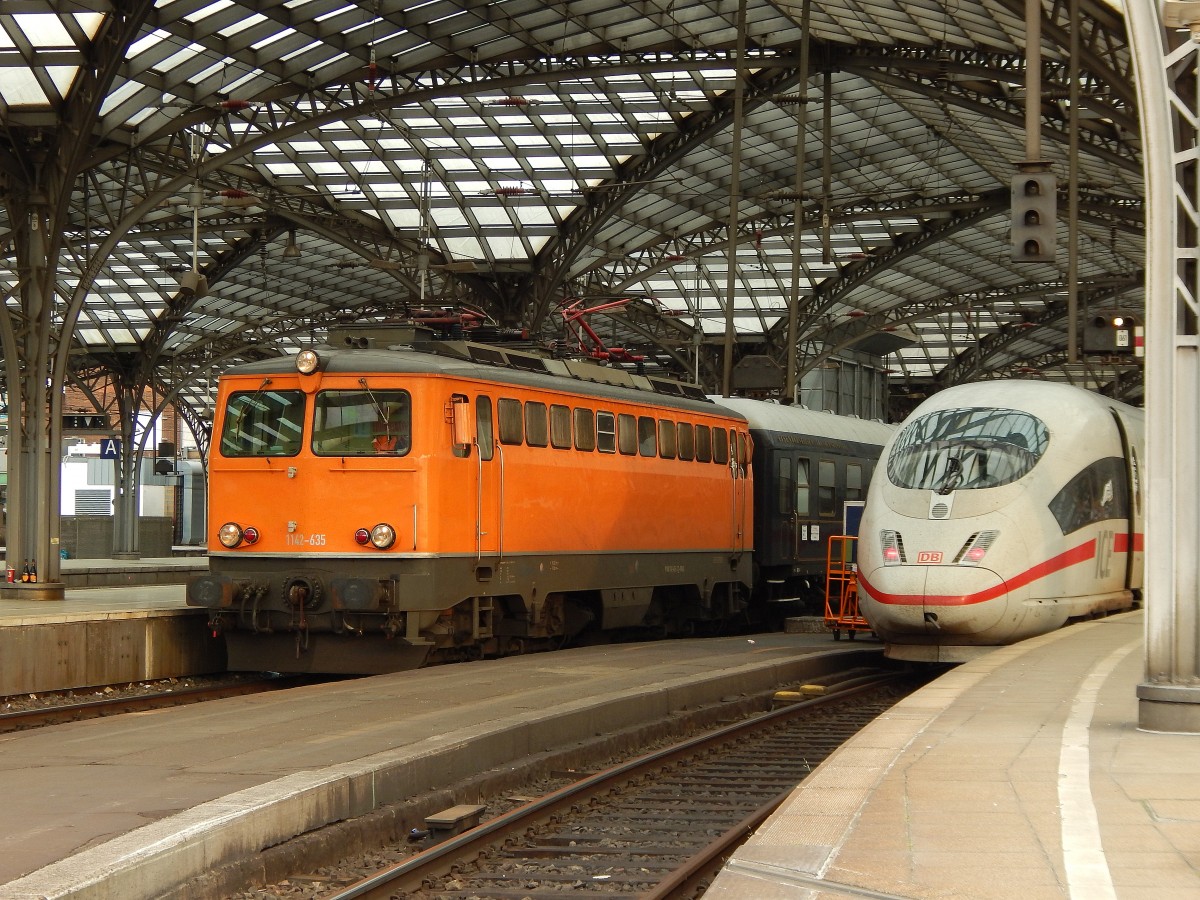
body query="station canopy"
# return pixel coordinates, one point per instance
(259, 172)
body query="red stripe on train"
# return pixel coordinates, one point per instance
(1071, 557)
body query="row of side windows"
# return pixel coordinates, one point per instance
(794, 484)
(537, 424)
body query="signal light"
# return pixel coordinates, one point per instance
(1034, 207)
(250, 534)
(362, 536)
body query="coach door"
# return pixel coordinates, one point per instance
(489, 490)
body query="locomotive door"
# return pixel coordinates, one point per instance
(489, 488)
(1135, 522)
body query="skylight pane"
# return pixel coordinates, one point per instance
(20, 88)
(89, 23)
(207, 11)
(43, 30)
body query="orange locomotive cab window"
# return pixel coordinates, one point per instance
(362, 423)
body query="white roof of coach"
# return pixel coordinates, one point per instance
(771, 416)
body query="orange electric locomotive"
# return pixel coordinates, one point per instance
(374, 510)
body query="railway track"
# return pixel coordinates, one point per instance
(657, 825)
(75, 711)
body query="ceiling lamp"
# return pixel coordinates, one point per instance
(290, 250)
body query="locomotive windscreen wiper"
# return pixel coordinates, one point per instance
(953, 476)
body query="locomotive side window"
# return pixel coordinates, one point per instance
(585, 430)
(826, 484)
(362, 423)
(687, 441)
(536, 432)
(627, 436)
(703, 444)
(742, 452)
(1099, 492)
(854, 481)
(483, 427)
(647, 436)
(263, 423)
(560, 427)
(666, 439)
(720, 446)
(606, 432)
(511, 424)
(966, 449)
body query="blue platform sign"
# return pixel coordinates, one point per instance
(110, 448)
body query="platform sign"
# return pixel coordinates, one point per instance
(110, 448)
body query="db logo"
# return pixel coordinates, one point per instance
(929, 556)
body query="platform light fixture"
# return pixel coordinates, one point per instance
(290, 250)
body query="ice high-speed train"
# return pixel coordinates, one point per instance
(1001, 510)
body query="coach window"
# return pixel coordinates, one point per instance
(646, 432)
(720, 446)
(627, 435)
(785, 484)
(703, 444)
(741, 454)
(511, 428)
(560, 427)
(687, 441)
(483, 427)
(263, 423)
(826, 483)
(854, 481)
(666, 439)
(362, 423)
(536, 432)
(606, 432)
(585, 430)
(803, 488)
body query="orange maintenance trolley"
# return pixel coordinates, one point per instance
(841, 587)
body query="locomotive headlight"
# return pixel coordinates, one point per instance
(230, 535)
(307, 362)
(383, 536)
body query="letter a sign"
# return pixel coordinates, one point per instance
(110, 448)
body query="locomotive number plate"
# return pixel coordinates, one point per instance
(306, 540)
(929, 556)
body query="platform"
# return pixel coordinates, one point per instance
(132, 805)
(142, 629)
(1019, 774)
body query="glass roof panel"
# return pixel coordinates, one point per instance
(19, 87)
